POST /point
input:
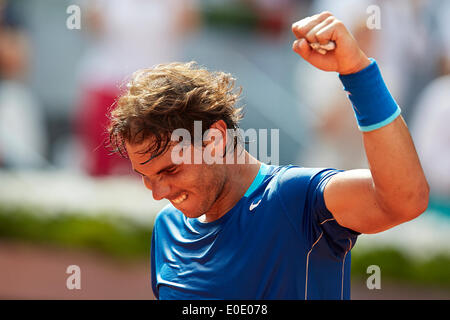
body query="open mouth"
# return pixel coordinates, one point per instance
(180, 199)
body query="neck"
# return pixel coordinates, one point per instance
(238, 180)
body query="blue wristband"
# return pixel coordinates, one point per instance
(372, 102)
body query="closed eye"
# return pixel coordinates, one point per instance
(171, 170)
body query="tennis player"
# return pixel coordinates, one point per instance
(249, 230)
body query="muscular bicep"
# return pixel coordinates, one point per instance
(352, 199)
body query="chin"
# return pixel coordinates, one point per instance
(185, 210)
(191, 215)
(189, 212)
(195, 205)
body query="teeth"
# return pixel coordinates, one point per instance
(180, 199)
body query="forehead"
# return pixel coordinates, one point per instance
(140, 160)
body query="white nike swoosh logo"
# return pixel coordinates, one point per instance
(254, 205)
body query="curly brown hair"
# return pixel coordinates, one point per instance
(167, 97)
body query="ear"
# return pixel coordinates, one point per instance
(217, 134)
(214, 143)
(221, 126)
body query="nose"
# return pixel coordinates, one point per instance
(159, 189)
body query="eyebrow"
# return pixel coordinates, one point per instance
(163, 169)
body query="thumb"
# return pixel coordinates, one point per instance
(302, 47)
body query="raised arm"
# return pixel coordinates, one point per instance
(395, 189)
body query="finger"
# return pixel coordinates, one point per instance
(311, 35)
(314, 57)
(302, 48)
(329, 32)
(302, 27)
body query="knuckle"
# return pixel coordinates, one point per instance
(298, 25)
(321, 36)
(338, 23)
(330, 19)
(326, 14)
(301, 29)
(311, 36)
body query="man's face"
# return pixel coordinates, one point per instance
(191, 188)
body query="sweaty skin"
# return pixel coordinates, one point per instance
(207, 191)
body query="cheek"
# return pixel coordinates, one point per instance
(210, 180)
(192, 180)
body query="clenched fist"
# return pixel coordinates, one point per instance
(322, 28)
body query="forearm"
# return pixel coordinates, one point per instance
(398, 179)
(395, 190)
(399, 182)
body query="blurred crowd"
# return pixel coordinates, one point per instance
(57, 85)
(22, 125)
